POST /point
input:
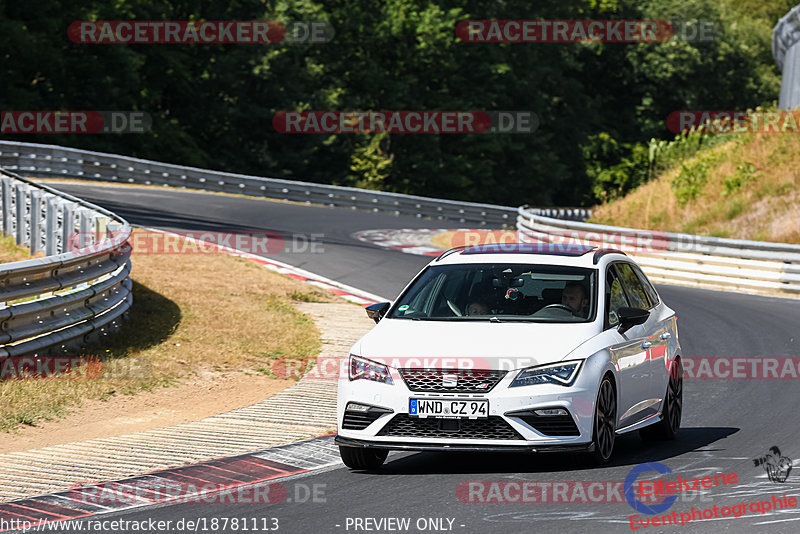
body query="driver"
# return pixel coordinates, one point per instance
(574, 296)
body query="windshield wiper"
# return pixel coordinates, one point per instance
(494, 320)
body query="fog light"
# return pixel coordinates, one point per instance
(353, 407)
(551, 411)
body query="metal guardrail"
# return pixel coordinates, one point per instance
(79, 290)
(712, 262)
(49, 161)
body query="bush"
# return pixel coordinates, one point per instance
(690, 181)
(744, 175)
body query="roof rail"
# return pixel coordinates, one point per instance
(553, 249)
(451, 251)
(599, 253)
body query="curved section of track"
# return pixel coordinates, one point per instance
(726, 423)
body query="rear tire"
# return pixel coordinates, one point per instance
(667, 428)
(605, 422)
(363, 459)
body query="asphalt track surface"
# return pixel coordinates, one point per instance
(726, 423)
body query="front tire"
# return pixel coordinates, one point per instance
(363, 459)
(667, 428)
(605, 422)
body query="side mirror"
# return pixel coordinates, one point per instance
(630, 317)
(378, 310)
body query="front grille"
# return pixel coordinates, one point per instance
(493, 427)
(550, 425)
(359, 420)
(467, 380)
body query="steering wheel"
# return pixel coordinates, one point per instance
(560, 307)
(454, 308)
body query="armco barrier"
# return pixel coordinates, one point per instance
(49, 161)
(712, 262)
(79, 290)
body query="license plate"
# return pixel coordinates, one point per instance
(449, 408)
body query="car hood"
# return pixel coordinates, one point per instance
(471, 344)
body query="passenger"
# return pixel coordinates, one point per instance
(477, 308)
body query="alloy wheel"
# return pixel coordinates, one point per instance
(675, 397)
(605, 420)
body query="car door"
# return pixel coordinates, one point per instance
(652, 341)
(627, 354)
(665, 346)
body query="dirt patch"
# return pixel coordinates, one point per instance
(191, 400)
(776, 217)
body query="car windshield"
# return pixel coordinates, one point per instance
(500, 292)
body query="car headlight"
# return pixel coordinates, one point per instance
(562, 373)
(364, 369)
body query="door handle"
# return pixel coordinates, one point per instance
(665, 335)
(646, 345)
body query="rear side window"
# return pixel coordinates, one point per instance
(633, 286)
(648, 287)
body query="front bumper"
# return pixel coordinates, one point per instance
(456, 447)
(505, 406)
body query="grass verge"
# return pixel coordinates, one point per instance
(198, 315)
(10, 251)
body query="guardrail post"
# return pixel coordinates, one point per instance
(20, 203)
(85, 229)
(6, 188)
(67, 226)
(51, 225)
(36, 217)
(100, 228)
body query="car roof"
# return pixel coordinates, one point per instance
(530, 253)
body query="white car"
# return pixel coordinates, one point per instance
(513, 347)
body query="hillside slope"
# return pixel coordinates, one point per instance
(746, 188)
